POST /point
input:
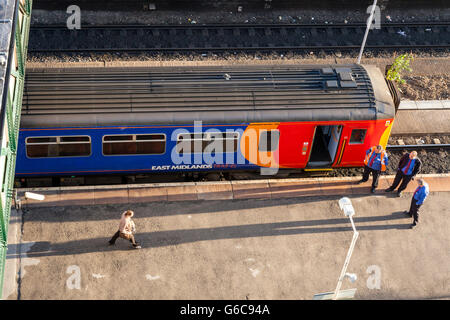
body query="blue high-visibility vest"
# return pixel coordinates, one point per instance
(421, 193)
(411, 163)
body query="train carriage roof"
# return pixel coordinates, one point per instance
(215, 95)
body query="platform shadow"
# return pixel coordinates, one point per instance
(177, 237)
(168, 208)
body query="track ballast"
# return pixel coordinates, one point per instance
(252, 37)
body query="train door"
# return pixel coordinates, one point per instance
(324, 146)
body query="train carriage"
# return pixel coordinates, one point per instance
(129, 121)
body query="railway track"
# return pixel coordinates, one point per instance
(219, 38)
(426, 147)
(189, 177)
(426, 141)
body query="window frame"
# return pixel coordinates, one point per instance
(266, 131)
(58, 138)
(134, 140)
(364, 137)
(208, 135)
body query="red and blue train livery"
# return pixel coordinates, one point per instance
(133, 120)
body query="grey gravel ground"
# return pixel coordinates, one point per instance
(262, 16)
(225, 56)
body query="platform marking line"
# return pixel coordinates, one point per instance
(254, 272)
(25, 261)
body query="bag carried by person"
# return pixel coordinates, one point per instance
(125, 236)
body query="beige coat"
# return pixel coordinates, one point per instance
(126, 225)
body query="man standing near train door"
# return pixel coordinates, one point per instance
(408, 166)
(375, 162)
(417, 200)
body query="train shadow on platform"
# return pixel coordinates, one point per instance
(177, 237)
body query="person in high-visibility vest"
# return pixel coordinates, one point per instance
(375, 162)
(408, 166)
(417, 200)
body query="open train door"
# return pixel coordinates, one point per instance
(324, 147)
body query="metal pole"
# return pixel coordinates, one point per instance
(347, 260)
(369, 23)
(353, 225)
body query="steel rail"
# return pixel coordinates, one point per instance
(220, 38)
(247, 25)
(246, 49)
(418, 146)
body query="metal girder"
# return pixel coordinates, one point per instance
(16, 36)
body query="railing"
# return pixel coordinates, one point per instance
(14, 80)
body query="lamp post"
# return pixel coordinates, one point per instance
(346, 205)
(369, 23)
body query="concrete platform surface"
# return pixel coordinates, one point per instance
(220, 190)
(275, 248)
(421, 121)
(424, 104)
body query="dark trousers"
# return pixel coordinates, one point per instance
(375, 175)
(414, 210)
(400, 176)
(124, 236)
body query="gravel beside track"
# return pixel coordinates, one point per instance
(187, 16)
(433, 161)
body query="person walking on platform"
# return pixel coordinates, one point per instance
(417, 200)
(375, 162)
(126, 229)
(408, 166)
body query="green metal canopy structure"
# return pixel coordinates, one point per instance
(14, 30)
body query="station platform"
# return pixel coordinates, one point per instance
(422, 117)
(421, 122)
(270, 241)
(424, 105)
(221, 190)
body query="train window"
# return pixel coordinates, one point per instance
(188, 142)
(74, 139)
(358, 136)
(74, 149)
(193, 136)
(53, 147)
(118, 138)
(138, 144)
(268, 140)
(149, 137)
(41, 140)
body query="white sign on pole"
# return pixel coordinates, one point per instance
(369, 24)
